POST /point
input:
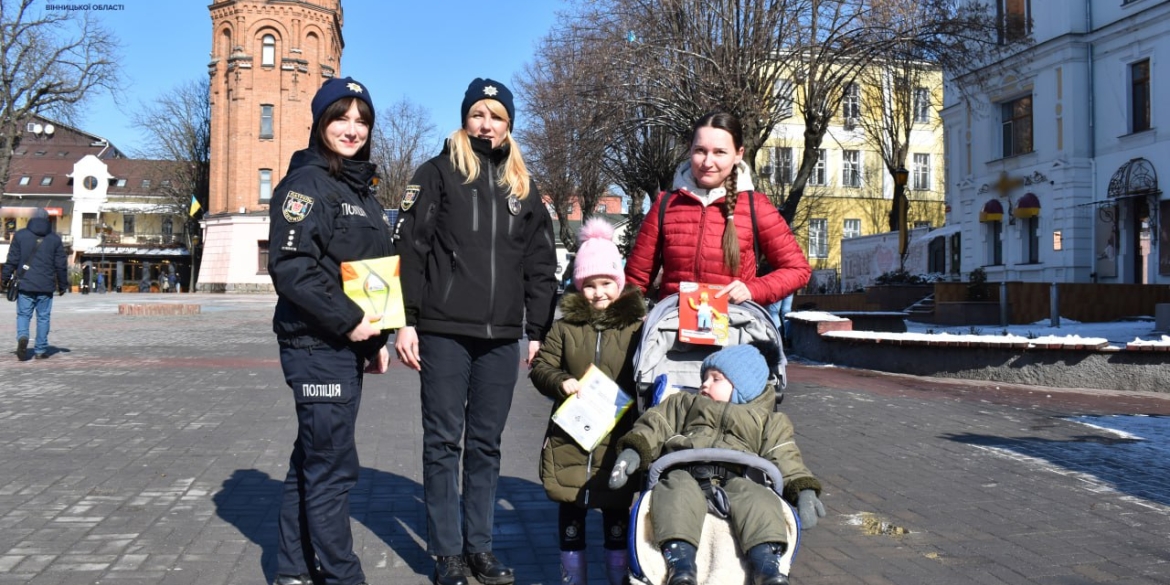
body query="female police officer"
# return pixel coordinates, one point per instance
(324, 213)
(477, 262)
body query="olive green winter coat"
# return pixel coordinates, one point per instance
(692, 421)
(585, 336)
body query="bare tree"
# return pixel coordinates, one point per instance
(50, 62)
(177, 126)
(565, 137)
(403, 139)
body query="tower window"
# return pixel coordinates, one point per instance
(262, 257)
(266, 121)
(265, 185)
(268, 51)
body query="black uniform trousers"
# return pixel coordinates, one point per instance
(467, 385)
(315, 535)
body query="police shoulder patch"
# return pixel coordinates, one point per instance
(410, 196)
(296, 207)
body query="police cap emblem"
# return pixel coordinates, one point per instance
(296, 207)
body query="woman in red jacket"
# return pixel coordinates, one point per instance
(707, 228)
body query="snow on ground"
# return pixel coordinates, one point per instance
(1139, 331)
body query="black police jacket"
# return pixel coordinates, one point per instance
(318, 222)
(475, 261)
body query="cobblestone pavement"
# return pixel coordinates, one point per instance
(149, 450)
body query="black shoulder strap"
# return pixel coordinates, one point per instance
(755, 227)
(20, 270)
(658, 257)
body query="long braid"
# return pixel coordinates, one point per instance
(730, 238)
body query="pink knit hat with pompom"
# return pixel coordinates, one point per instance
(598, 255)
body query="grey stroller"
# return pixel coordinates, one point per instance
(663, 365)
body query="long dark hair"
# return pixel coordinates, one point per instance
(336, 110)
(727, 122)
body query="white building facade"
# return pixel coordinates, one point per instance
(1052, 169)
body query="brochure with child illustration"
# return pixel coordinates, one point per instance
(590, 414)
(702, 316)
(374, 285)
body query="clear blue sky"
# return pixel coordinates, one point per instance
(422, 50)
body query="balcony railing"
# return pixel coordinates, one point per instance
(143, 239)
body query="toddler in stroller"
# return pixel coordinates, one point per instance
(731, 411)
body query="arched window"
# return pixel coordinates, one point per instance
(168, 227)
(268, 51)
(225, 44)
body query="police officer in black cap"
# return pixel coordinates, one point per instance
(324, 213)
(478, 274)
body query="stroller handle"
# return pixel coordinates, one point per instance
(714, 454)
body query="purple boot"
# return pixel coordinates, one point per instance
(617, 566)
(573, 565)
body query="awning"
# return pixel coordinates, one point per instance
(24, 206)
(992, 211)
(944, 231)
(134, 251)
(141, 208)
(1028, 206)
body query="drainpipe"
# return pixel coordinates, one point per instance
(1092, 151)
(1003, 304)
(1054, 305)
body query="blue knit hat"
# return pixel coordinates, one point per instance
(335, 89)
(487, 89)
(744, 366)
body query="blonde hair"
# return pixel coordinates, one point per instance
(515, 176)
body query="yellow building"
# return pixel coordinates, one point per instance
(850, 192)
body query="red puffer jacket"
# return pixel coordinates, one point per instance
(693, 247)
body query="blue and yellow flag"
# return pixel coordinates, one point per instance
(195, 207)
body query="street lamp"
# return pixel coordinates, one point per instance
(103, 230)
(900, 205)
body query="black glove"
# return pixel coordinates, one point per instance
(809, 506)
(627, 463)
(60, 292)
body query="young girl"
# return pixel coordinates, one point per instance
(600, 326)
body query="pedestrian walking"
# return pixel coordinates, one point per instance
(36, 258)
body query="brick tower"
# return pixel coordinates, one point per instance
(268, 57)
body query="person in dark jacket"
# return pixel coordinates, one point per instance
(37, 257)
(599, 328)
(731, 411)
(478, 273)
(324, 213)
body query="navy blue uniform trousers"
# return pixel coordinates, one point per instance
(467, 385)
(315, 536)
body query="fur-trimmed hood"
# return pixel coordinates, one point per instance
(628, 308)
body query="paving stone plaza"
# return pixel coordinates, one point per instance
(150, 449)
